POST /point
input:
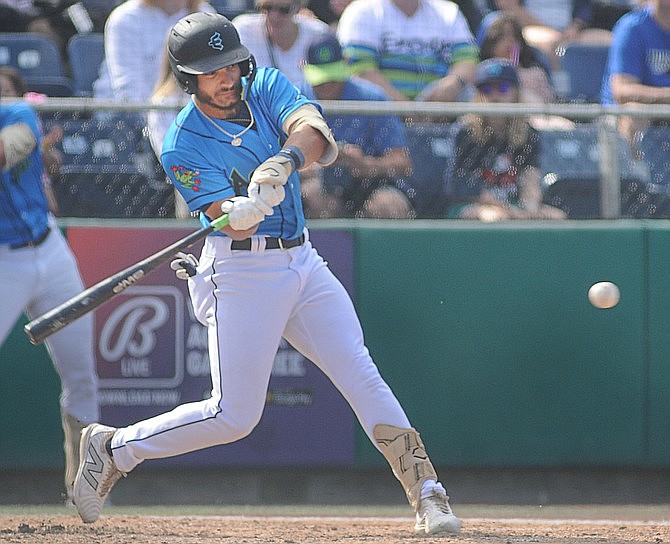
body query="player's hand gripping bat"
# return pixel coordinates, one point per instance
(54, 320)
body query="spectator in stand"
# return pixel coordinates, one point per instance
(168, 92)
(496, 174)
(366, 179)
(500, 36)
(26, 16)
(549, 24)
(329, 11)
(12, 85)
(473, 10)
(637, 69)
(58, 20)
(413, 49)
(278, 36)
(134, 41)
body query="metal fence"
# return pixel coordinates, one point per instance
(588, 169)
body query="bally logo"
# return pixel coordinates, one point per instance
(215, 42)
(93, 467)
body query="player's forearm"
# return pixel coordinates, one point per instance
(395, 164)
(311, 143)
(643, 94)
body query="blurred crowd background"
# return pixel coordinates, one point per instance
(484, 161)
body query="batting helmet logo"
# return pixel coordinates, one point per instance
(215, 41)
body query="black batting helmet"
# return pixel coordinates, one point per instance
(201, 43)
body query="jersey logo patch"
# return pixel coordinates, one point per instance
(215, 42)
(187, 178)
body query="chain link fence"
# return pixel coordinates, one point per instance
(589, 170)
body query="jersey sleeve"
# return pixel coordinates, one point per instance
(277, 96)
(23, 113)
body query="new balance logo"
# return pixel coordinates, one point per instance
(93, 467)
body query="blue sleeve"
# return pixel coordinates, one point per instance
(627, 50)
(388, 133)
(23, 113)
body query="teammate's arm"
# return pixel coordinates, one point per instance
(17, 141)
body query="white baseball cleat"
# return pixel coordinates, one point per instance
(97, 472)
(434, 516)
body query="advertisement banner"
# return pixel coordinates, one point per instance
(152, 356)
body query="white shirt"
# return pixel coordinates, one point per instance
(553, 13)
(135, 36)
(251, 27)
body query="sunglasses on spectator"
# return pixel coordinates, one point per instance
(501, 87)
(284, 10)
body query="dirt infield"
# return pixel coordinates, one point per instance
(66, 528)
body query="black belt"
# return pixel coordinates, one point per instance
(33, 243)
(270, 243)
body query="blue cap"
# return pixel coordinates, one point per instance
(490, 70)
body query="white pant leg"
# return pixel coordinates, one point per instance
(18, 276)
(326, 329)
(72, 348)
(36, 280)
(245, 301)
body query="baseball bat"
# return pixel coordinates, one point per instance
(54, 320)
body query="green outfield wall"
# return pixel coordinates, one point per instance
(486, 335)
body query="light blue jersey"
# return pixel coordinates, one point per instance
(23, 204)
(204, 166)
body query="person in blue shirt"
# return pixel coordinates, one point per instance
(39, 272)
(638, 66)
(369, 177)
(236, 149)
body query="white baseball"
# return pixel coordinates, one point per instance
(604, 294)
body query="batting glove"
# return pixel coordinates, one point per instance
(266, 196)
(184, 265)
(243, 213)
(277, 169)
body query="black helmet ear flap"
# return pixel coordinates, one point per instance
(246, 67)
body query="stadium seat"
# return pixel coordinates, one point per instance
(34, 55)
(85, 54)
(655, 149)
(431, 147)
(113, 194)
(582, 68)
(58, 86)
(115, 141)
(570, 163)
(109, 169)
(232, 8)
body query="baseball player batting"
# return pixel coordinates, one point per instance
(236, 148)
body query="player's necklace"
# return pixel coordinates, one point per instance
(235, 139)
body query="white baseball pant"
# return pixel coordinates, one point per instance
(249, 300)
(35, 280)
